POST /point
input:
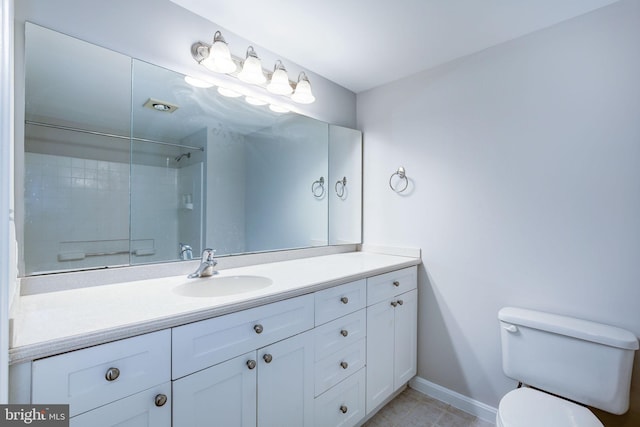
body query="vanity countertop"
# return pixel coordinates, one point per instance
(51, 323)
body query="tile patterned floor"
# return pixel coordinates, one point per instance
(414, 409)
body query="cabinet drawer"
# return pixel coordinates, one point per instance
(336, 302)
(80, 378)
(338, 366)
(144, 409)
(389, 284)
(344, 404)
(202, 344)
(342, 332)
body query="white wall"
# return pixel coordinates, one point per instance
(524, 188)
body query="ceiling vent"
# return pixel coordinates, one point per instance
(158, 105)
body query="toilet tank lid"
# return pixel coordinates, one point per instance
(570, 326)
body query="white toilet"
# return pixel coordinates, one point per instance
(574, 359)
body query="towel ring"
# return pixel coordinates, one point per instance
(403, 177)
(342, 183)
(317, 188)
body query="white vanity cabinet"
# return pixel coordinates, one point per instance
(340, 355)
(105, 385)
(392, 319)
(267, 386)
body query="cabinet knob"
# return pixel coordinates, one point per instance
(343, 409)
(344, 300)
(393, 303)
(258, 328)
(396, 283)
(161, 399)
(267, 358)
(344, 365)
(251, 364)
(400, 302)
(112, 374)
(344, 332)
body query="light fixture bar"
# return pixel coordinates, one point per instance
(299, 91)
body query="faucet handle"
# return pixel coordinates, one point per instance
(207, 255)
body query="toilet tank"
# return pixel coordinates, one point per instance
(580, 360)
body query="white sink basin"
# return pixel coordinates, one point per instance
(221, 286)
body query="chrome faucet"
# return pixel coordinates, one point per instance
(186, 252)
(206, 266)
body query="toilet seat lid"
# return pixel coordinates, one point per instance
(526, 407)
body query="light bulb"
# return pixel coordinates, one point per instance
(252, 69)
(279, 83)
(303, 94)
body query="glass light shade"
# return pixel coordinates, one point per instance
(252, 69)
(219, 59)
(255, 101)
(229, 93)
(197, 82)
(303, 93)
(279, 83)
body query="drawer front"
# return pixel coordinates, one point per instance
(389, 284)
(206, 343)
(340, 300)
(334, 336)
(88, 378)
(338, 366)
(150, 408)
(344, 404)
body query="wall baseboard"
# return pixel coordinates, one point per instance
(457, 400)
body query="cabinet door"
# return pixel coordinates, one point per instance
(285, 383)
(222, 395)
(406, 337)
(150, 408)
(380, 352)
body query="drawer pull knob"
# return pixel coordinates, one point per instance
(112, 374)
(344, 332)
(161, 399)
(344, 300)
(393, 303)
(267, 358)
(251, 364)
(344, 365)
(258, 328)
(400, 302)
(343, 409)
(396, 283)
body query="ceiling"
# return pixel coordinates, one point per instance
(361, 44)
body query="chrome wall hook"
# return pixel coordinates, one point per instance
(402, 175)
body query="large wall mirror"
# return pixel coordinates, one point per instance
(126, 163)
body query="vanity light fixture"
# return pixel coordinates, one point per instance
(217, 57)
(303, 93)
(278, 108)
(255, 101)
(252, 68)
(279, 83)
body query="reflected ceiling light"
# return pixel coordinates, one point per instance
(229, 93)
(252, 68)
(279, 83)
(255, 101)
(216, 57)
(197, 82)
(303, 93)
(278, 108)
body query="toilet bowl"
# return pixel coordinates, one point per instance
(527, 407)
